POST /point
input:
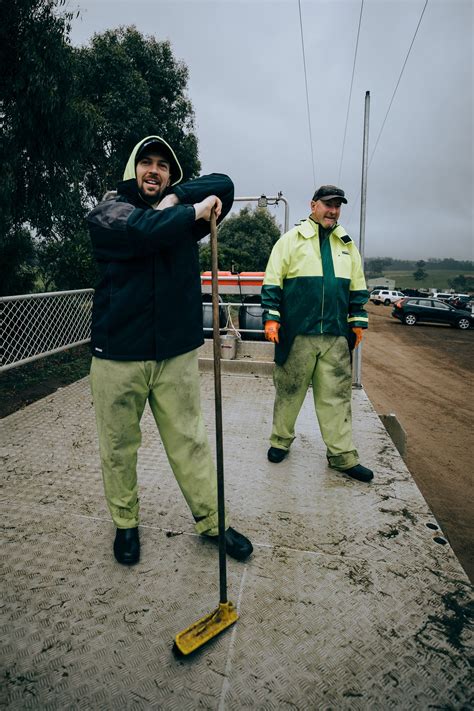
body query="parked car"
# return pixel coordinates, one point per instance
(442, 296)
(410, 310)
(462, 301)
(385, 296)
(414, 292)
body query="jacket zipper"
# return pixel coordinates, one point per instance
(322, 308)
(321, 253)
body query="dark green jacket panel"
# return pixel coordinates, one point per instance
(357, 314)
(327, 313)
(296, 317)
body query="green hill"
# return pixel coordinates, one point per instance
(436, 279)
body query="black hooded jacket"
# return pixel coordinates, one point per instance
(147, 304)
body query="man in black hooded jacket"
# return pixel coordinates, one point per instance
(146, 327)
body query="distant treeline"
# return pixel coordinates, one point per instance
(392, 264)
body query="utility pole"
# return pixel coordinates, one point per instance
(363, 201)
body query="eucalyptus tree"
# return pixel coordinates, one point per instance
(69, 118)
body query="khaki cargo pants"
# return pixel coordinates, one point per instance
(323, 361)
(120, 390)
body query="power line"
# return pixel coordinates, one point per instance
(307, 96)
(391, 100)
(398, 82)
(350, 93)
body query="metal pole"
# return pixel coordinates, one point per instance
(363, 201)
(218, 413)
(287, 207)
(277, 199)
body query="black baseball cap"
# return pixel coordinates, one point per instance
(329, 192)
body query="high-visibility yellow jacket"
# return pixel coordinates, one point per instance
(314, 285)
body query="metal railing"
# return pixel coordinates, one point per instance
(264, 201)
(252, 314)
(33, 326)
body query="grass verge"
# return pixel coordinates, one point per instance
(21, 386)
(435, 279)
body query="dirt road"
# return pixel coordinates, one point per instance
(424, 375)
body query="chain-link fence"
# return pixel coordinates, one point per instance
(35, 325)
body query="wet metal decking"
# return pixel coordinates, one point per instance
(348, 601)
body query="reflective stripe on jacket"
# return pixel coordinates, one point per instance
(314, 286)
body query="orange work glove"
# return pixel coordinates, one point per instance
(358, 333)
(271, 331)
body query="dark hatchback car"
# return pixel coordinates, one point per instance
(411, 310)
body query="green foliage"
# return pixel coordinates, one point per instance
(17, 255)
(67, 263)
(42, 129)
(462, 265)
(245, 241)
(420, 274)
(70, 118)
(462, 283)
(375, 268)
(132, 87)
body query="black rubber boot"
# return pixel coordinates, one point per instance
(237, 546)
(359, 472)
(127, 546)
(276, 455)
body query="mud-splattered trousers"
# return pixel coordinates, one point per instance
(322, 361)
(120, 390)
(315, 288)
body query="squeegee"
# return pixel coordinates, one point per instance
(208, 627)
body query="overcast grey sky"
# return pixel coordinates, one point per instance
(247, 87)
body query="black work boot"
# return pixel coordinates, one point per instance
(359, 472)
(236, 545)
(276, 454)
(127, 546)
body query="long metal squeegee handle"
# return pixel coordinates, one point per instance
(205, 629)
(218, 412)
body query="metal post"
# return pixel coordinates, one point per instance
(218, 412)
(276, 198)
(363, 200)
(287, 207)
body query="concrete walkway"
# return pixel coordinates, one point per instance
(352, 599)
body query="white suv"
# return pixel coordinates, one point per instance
(385, 297)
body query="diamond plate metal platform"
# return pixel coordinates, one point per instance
(349, 601)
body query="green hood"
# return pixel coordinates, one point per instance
(176, 170)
